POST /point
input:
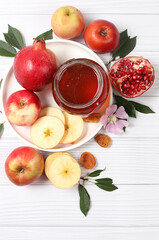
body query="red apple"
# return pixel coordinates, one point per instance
(67, 22)
(24, 165)
(102, 36)
(23, 108)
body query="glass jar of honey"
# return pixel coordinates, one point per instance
(80, 86)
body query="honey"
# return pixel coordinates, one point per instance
(80, 86)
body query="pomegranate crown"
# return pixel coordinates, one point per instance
(39, 44)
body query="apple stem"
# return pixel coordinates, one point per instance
(20, 170)
(22, 103)
(103, 33)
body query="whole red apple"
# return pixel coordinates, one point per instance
(24, 165)
(67, 22)
(102, 36)
(34, 66)
(23, 108)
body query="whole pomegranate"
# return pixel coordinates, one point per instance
(132, 76)
(34, 66)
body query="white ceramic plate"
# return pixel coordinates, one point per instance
(64, 50)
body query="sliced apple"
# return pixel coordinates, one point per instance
(50, 159)
(54, 112)
(73, 128)
(47, 132)
(64, 171)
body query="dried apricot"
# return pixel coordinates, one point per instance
(93, 118)
(103, 140)
(87, 160)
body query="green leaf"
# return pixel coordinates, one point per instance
(129, 107)
(1, 82)
(123, 39)
(6, 50)
(84, 199)
(46, 35)
(142, 108)
(14, 37)
(106, 186)
(104, 180)
(96, 173)
(126, 45)
(1, 128)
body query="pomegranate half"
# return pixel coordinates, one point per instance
(132, 76)
(34, 66)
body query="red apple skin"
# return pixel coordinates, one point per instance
(67, 22)
(101, 36)
(23, 108)
(24, 165)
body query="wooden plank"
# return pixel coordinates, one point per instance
(127, 161)
(100, 233)
(111, 6)
(43, 206)
(32, 25)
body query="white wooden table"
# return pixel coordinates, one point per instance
(40, 211)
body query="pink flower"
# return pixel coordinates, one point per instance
(113, 121)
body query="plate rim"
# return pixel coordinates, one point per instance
(73, 146)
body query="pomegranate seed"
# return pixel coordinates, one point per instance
(145, 78)
(138, 76)
(131, 92)
(150, 78)
(139, 89)
(132, 87)
(149, 71)
(138, 72)
(128, 84)
(130, 79)
(143, 87)
(134, 77)
(136, 85)
(133, 82)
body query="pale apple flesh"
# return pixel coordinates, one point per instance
(50, 159)
(67, 22)
(24, 165)
(54, 112)
(23, 108)
(47, 132)
(63, 171)
(74, 126)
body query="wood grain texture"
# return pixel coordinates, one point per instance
(91, 6)
(33, 206)
(84, 233)
(40, 23)
(127, 161)
(40, 211)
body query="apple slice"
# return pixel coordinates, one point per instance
(64, 171)
(47, 132)
(73, 128)
(54, 112)
(50, 159)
